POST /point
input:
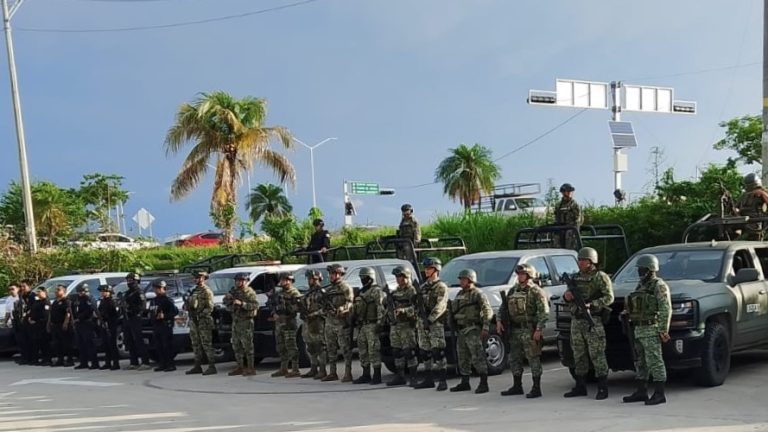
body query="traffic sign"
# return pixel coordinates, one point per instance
(360, 188)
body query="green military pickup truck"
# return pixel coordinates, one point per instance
(719, 306)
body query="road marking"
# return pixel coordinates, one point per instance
(408, 427)
(63, 381)
(48, 424)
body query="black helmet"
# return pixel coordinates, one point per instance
(133, 276)
(406, 208)
(82, 288)
(106, 288)
(318, 222)
(242, 276)
(314, 273)
(336, 268)
(567, 187)
(159, 283)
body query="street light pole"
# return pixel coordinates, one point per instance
(312, 163)
(26, 188)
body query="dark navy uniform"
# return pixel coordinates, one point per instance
(84, 312)
(108, 318)
(135, 305)
(38, 322)
(319, 240)
(23, 334)
(60, 326)
(162, 313)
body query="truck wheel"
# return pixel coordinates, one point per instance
(122, 348)
(497, 353)
(302, 347)
(390, 364)
(715, 356)
(223, 354)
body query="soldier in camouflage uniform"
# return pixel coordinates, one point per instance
(650, 309)
(753, 203)
(286, 326)
(472, 314)
(313, 329)
(243, 306)
(596, 290)
(567, 212)
(409, 229)
(199, 306)
(525, 316)
(368, 310)
(431, 335)
(402, 335)
(339, 297)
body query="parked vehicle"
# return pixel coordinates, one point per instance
(74, 281)
(115, 241)
(719, 306)
(202, 240)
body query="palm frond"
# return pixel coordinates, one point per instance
(189, 176)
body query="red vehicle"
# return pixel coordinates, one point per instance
(202, 240)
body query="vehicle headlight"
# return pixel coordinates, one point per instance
(684, 314)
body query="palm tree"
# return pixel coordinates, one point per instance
(232, 132)
(267, 200)
(466, 173)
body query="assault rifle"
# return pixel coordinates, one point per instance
(504, 317)
(390, 312)
(629, 332)
(421, 307)
(578, 300)
(454, 327)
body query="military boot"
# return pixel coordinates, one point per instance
(237, 371)
(294, 373)
(640, 395)
(280, 372)
(311, 373)
(579, 390)
(463, 385)
(412, 377)
(347, 374)
(365, 377)
(536, 389)
(602, 388)
(321, 373)
(483, 387)
(427, 382)
(376, 376)
(332, 376)
(249, 370)
(397, 380)
(196, 369)
(658, 396)
(211, 370)
(517, 387)
(442, 385)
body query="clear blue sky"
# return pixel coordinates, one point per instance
(397, 81)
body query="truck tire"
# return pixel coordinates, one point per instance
(497, 353)
(715, 356)
(390, 364)
(122, 348)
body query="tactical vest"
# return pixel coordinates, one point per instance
(643, 307)
(407, 229)
(366, 308)
(518, 307)
(466, 309)
(404, 298)
(430, 298)
(313, 300)
(239, 311)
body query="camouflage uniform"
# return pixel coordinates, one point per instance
(337, 332)
(526, 310)
(369, 315)
(402, 335)
(242, 327)
(472, 314)
(285, 329)
(432, 339)
(751, 204)
(199, 305)
(409, 229)
(313, 331)
(567, 213)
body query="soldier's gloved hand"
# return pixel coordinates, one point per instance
(664, 336)
(537, 335)
(499, 327)
(237, 302)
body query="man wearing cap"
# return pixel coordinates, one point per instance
(38, 322)
(286, 307)
(339, 296)
(162, 314)
(60, 327)
(431, 334)
(314, 325)
(319, 242)
(199, 305)
(408, 230)
(402, 335)
(135, 306)
(21, 316)
(568, 213)
(108, 318)
(472, 314)
(243, 305)
(84, 312)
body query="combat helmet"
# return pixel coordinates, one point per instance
(468, 274)
(648, 261)
(567, 187)
(527, 269)
(402, 271)
(336, 268)
(752, 180)
(434, 263)
(588, 253)
(368, 272)
(314, 273)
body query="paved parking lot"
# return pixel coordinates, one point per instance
(56, 399)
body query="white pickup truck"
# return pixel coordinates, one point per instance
(114, 241)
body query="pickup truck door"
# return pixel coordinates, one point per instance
(751, 299)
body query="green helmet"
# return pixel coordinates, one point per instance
(567, 187)
(752, 180)
(336, 268)
(468, 274)
(527, 269)
(648, 261)
(434, 263)
(200, 273)
(313, 274)
(286, 276)
(588, 253)
(367, 272)
(402, 271)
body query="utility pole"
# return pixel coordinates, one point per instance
(26, 188)
(764, 153)
(656, 154)
(312, 163)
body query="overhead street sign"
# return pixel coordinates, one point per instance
(359, 188)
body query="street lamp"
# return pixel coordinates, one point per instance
(312, 163)
(26, 189)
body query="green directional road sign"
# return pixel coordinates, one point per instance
(358, 188)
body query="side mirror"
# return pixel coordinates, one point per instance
(555, 298)
(745, 275)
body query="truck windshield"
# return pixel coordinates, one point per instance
(220, 284)
(701, 265)
(490, 271)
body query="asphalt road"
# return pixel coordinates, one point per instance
(57, 399)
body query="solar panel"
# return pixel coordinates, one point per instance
(622, 134)
(620, 127)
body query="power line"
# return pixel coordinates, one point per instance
(164, 26)
(696, 72)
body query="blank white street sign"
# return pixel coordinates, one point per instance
(143, 218)
(647, 98)
(582, 94)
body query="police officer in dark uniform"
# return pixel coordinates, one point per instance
(108, 317)
(84, 312)
(21, 318)
(135, 305)
(38, 323)
(162, 313)
(60, 327)
(319, 242)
